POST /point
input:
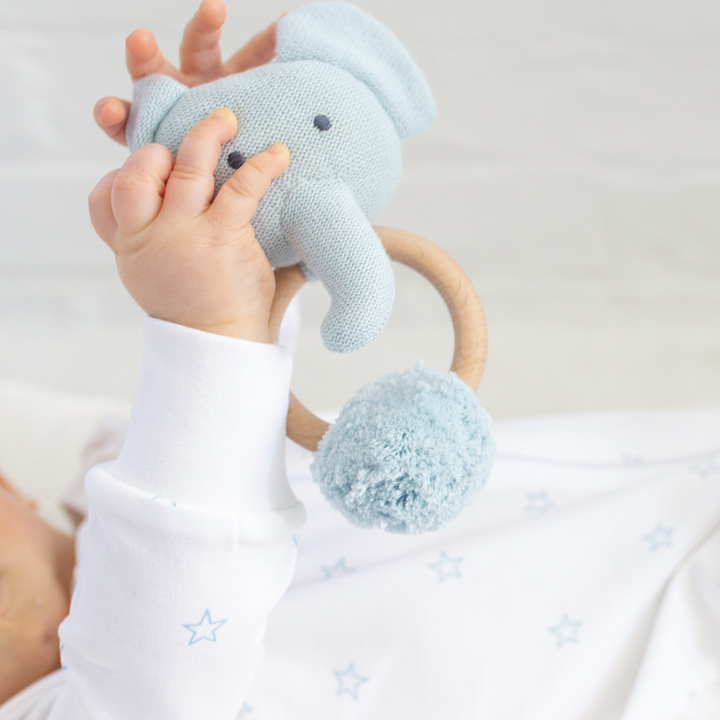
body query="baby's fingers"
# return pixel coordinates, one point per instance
(111, 116)
(238, 198)
(190, 187)
(258, 50)
(139, 187)
(200, 47)
(143, 56)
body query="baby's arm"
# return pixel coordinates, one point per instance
(189, 542)
(200, 61)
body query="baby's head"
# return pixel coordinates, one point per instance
(36, 564)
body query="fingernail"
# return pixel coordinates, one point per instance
(277, 149)
(221, 114)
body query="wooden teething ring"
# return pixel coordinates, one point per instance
(449, 279)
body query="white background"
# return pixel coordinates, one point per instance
(574, 171)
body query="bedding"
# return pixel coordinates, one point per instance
(584, 582)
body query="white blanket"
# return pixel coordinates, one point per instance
(583, 584)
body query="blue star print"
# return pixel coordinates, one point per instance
(660, 537)
(566, 631)
(205, 629)
(349, 681)
(447, 567)
(339, 568)
(538, 502)
(172, 502)
(245, 709)
(705, 469)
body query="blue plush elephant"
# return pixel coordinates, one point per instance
(341, 94)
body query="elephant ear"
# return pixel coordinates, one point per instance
(154, 96)
(342, 35)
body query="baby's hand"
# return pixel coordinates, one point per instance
(200, 61)
(182, 257)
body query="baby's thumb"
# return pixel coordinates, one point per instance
(238, 198)
(100, 206)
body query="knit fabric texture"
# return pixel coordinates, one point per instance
(340, 96)
(407, 453)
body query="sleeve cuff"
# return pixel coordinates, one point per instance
(208, 422)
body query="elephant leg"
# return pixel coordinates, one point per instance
(323, 224)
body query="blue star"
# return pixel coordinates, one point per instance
(172, 502)
(705, 469)
(62, 665)
(349, 681)
(205, 629)
(296, 540)
(447, 567)
(566, 631)
(660, 537)
(339, 568)
(245, 709)
(538, 502)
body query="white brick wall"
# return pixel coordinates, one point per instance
(574, 171)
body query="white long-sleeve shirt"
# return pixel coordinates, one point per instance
(189, 542)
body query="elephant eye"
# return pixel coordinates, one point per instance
(322, 122)
(235, 159)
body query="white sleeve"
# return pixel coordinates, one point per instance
(190, 536)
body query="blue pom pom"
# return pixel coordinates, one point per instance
(407, 453)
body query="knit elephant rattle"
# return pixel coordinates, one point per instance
(341, 95)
